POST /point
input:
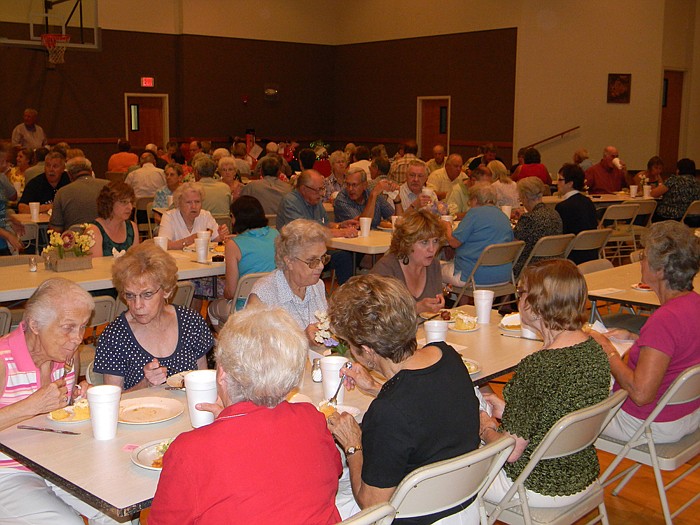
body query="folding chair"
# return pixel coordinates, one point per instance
(590, 240)
(142, 220)
(376, 514)
(244, 287)
(30, 237)
(623, 235)
(223, 219)
(184, 292)
(103, 314)
(151, 221)
(642, 221)
(572, 433)
(5, 320)
(495, 255)
(445, 484)
(549, 247)
(668, 456)
(693, 209)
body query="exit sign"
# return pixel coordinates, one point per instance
(148, 82)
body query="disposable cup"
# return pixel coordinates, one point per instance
(528, 332)
(506, 209)
(206, 234)
(647, 191)
(202, 248)
(34, 210)
(365, 225)
(393, 221)
(170, 201)
(435, 331)
(483, 300)
(104, 410)
(617, 163)
(446, 218)
(161, 242)
(200, 387)
(330, 376)
(426, 191)
(633, 190)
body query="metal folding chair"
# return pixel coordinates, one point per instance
(549, 247)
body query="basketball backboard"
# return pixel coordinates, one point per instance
(22, 22)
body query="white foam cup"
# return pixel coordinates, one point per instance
(206, 234)
(200, 387)
(104, 410)
(647, 191)
(161, 242)
(633, 190)
(34, 210)
(483, 300)
(435, 331)
(365, 225)
(617, 163)
(202, 248)
(330, 376)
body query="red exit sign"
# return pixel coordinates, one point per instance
(148, 82)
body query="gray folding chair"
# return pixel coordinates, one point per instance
(102, 315)
(5, 320)
(622, 240)
(184, 292)
(244, 287)
(143, 226)
(223, 219)
(549, 247)
(668, 456)
(377, 514)
(494, 255)
(572, 433)
(693, 209)
(646, 210)
(590, 240)
(445, 484)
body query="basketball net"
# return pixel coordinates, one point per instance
(56, 45)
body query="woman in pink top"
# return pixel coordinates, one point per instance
(669, 341)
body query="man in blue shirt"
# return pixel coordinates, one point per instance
(355, 200)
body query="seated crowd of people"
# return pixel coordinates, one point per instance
(278, 209)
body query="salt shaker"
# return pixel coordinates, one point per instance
(32, 264)
(316, 371)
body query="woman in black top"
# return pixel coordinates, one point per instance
(576, 210)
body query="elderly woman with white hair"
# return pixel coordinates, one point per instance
(506, 189)
(296, 285)
(37, 376)
(336, 181)
(181, 224)
(483, 225)
(228, 172)
(260, 357)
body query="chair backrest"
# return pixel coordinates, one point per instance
(595, 265)
(620, 214)
(115, 176)
(30, 235)
(590, 240)
(104, 310)
(647, 207)
(684, 389)
(223, 219)
(550, 246)
(184, 292)
(693, 209)
(149, 217)
(5, 320)
(244, 287)
(444, 484)
(378, 514)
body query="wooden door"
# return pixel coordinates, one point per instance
(145, 120)
(671, 119)
(434, 126)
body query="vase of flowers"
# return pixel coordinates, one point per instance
(69, 250)
(325, 337)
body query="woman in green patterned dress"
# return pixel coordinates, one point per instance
(569, 373)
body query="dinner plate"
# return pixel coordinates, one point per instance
(429, 315)
(472, 366)
(341, 409)
(69, 419)
(146, 454)
(177, 380)
(510, 328)
(146, 410)
(452, 327)
(384, 229)
(642, 289)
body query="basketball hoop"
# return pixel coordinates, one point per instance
(56, 45)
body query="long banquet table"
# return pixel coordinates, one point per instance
(102, 474)
(17, 282)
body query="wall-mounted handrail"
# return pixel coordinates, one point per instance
(555, 136)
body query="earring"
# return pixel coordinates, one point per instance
(405, 260)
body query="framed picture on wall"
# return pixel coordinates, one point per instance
(619, 88)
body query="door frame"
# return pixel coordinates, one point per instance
(419, 119)
(166, 113)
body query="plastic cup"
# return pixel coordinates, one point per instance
(528, 332)
(200, 387)
(206, 234)
(161, 242)
(365, 226)
(435, 331)
(617, 163)
(446, 218)
(104, 410)
(34, 210)
(483, 300)
(647, 191)
(330, 376)
(393, 221)
(202, 248)
(506, 209)
(426, 191)
(170, 201)
(633, 191)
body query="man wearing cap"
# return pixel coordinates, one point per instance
(76, 203)
(28, 134)
(609, 175)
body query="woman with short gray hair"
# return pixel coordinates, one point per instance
(261, 356)
(669, 342)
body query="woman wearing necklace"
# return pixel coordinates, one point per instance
(571, 372)
(113, 228)
(669, 341)
(411, 259)
(296, 285)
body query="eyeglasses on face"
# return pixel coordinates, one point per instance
(315, 262)
(317, 190)
(146, 296)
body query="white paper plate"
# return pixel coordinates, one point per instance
(146, 454)
(382, 228)
(451, 326)
(69, 419)
(147, 410)
(428, 315)
(472, 366)
(640, 289)
(177, 380)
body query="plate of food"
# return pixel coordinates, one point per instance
(473, 367)
(463, 323)
(146, 410)
(177, 380)
(642, 287)
(510, 323)
(444, 315)
(327, 410)
(76, 413)
(150, 455)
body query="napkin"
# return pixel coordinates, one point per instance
(117, 254)
(621, 345)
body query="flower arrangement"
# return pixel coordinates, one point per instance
(326, 338)
(70, 243)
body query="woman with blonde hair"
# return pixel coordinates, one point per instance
(412, 258)
(506, 189)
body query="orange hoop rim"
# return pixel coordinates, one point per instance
(50, 40)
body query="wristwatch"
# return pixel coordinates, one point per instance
(351, 450)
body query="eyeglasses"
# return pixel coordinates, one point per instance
(317, 190)
(519, 292)
(146, 296)
(313, 263)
